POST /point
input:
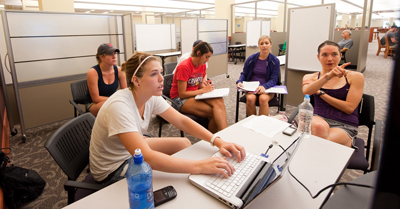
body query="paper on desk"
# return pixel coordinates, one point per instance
(265, 125)
(213, 94)
(250, 85)
(277, 89)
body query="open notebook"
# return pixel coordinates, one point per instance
(252, 176)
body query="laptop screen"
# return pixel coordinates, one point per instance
(270, 172)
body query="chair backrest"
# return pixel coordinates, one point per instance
(366, 111)
(80, 92)
(168, 79)
(386, 43)
(280, 46)
(169, 68)
(69, 145)
(379, 41)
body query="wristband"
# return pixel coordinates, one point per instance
(327, 77)
(212, 140)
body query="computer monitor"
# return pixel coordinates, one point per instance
(387, 190)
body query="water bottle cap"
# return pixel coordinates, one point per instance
(307, 96)
(138, 157)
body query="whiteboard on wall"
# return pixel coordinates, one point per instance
(155, 37)
(188, 34)
(253, 32)
(266, 27)
(302, 43)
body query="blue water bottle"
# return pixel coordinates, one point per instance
(140, 183)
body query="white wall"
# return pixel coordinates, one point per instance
(241, 23)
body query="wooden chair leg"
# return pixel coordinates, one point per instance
(379, 51)
(386, 53)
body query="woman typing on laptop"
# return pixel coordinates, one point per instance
(125, 116)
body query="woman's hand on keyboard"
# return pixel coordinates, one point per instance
(216, 165)
(226, 148)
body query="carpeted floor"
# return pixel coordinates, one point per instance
(33, 155)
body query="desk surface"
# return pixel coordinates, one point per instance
(237, 45)
(168, 54)
(282, 59)
(316, 164)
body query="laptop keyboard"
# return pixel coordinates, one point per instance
(228, 186)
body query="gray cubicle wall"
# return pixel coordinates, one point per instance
(238, 37)
(302, 45)
(215, 32)
(49, 50)
(277, 38)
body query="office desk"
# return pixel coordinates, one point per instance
(236, 52)
(167, 54)
(316, 164)
(282, 59)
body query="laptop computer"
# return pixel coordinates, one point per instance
(251, 177)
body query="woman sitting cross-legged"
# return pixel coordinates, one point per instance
(190, 80)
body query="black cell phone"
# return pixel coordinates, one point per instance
(289, 130)
(164, 195)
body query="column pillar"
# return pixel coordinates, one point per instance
(281, 17)
(390, 22)
(223, 11)
(147, 19)
(353, 21)
(359, 21)
(56, 5)
(345, 20)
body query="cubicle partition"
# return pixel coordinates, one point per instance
(255, 29)
(302, 44)
(213, 31)
(277, 38)
(49, 50)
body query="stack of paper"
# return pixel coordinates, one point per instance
(277, 90)
(213, 94)
(250, 85)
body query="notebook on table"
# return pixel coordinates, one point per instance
(251, 177)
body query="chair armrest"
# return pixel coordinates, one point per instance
(148, 135)
(293, 115)
(76, 107)
(376, 151)
(82, 185)
(173, 103)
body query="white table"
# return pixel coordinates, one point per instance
(167, 54)
(316, 164)
(282, 59)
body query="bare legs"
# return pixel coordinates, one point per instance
(211, 108)
(94, 109)
(263, 100)
(319, 127)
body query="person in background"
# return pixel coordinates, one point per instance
(104, 78)
(263, 67)
(187, 55)
(190, 80)
(346, 43)
(391, 36)
(337, 93)
(125, 116)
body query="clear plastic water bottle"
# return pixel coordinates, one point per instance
(305, 117)
(140, 183)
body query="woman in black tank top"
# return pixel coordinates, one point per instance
(337, 93)
(103, 78)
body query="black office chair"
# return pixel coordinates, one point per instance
(277, 101)
(80, 95)
(343, 58)
(363, 159)
(69, 147)
(169, 68)
(168, 79)
(280, 49)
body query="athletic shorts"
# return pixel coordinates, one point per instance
(179, 103)
(352, 131)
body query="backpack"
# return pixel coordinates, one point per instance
(20, 185)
